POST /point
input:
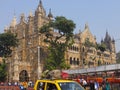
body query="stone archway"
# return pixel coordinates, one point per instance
(23, 76)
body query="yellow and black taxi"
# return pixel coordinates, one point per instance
(57, 85)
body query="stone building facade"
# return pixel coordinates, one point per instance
(27, 60)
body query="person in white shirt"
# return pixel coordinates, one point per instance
(84, 82)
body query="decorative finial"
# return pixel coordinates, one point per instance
(14, 13)
(30, 14)
(86, 25)
(40, 2)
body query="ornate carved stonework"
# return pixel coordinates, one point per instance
(23, 64)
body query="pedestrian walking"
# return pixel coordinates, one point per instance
(96, 85)
(84, 82)
(21, 86)
(107, 85)
(25, 85)
(91, 84)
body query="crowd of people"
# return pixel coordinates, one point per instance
(22, 85)
(94, 84)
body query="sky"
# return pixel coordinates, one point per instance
(100, 15)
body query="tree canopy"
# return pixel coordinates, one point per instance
(118, 57)
(101, 47)
(87, 43)
(59, 36)
(3, 72)
(7, 42)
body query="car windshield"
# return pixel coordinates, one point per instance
(70, 86)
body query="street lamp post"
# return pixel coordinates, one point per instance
(39, 66)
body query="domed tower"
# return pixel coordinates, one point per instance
(110, 44)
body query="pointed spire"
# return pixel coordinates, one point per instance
(80, 34)
(22, 17)
(30, 14)
(107, 33)
(86, 26)
(40, 9)
(40, 2)
(50, 14)
(14, 22)
(107, 37)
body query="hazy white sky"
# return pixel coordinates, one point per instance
(101, 15)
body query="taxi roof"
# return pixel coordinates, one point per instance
(55, 80)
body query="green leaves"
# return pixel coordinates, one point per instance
(63, 25)
(3, 72)
(7, 41)
(59, 35)
(118, 57)
(101, 47)
(88, 43)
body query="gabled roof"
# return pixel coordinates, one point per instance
(86, 34)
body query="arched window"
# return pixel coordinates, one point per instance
(77, 49)
(71, 60)
(73, 48)
(77, 61)
(84, 61)
(74, 61)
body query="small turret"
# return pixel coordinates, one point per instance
(22, 19)
(86, 26)
(6, 29)
(14, 22)
(30, 14)
(30, 23)
(50, 16)
(30, 17)
(113, 40)
(107, 37)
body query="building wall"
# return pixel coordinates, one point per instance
(24, 59)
